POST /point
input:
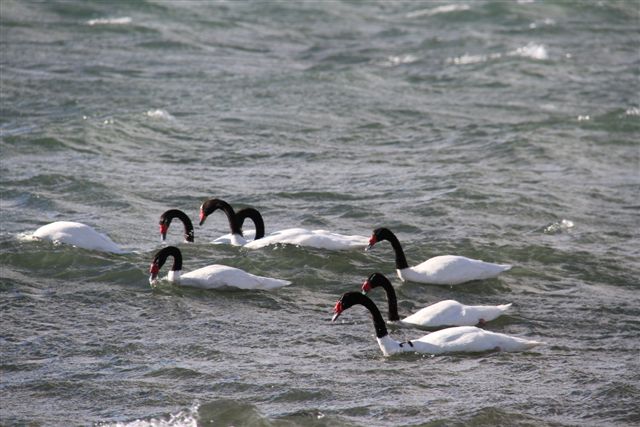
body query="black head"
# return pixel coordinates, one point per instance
(350, 299)
(160, 258)
(168, 216)
(378, 235)
(347, 300)
(211, 205)
(374, 281)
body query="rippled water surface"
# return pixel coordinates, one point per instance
(505, 131)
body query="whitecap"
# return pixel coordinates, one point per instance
(467, 59)
(125, 20)
(558, 227)
(633, 111)
(532, 51)
(184, 418)
(394, 61)
(447, 8)
(159, 114)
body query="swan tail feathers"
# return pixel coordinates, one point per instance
(504, 307)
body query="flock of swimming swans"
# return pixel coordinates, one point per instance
(459, 332)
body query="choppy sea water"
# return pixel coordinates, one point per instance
(505, 131)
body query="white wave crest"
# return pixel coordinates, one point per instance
(110, 21)
(633, 111)
(159, 114)
(531, 51)
(393, 61)
(558, 227)
(447, 8)
(184, 418)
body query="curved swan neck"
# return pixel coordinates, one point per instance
(352, 298)
(386, 234)
(165, 253)
(392, 300)
(212, 205)
(165, 220)
(254, 216)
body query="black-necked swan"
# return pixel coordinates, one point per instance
(77, 234)
(236, 221)
(439, 270)
(441, 314)
(209, 277)
(449, 340)
(321, 239)
(165, 222)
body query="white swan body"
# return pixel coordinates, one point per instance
(440, 314)
(456, 339)
(440, 270)
(452, 313)
(235, 239)
(451, 270)
(321, 239)
(77, 234)
(210, 277)
(218, 276)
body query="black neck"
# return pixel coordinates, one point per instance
(254, 216)
(378, 322)
(177, 213)
(164, 253)
(401, 260)
(391, 300)
(212, 205)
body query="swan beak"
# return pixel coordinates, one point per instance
(203, 217)
(163, 230)
(372, 241)
(338, 309)
(154, 269)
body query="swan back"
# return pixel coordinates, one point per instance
(470, 339)
(321, 239)
(220, 276)
(452, 313)
(77, 234)
(451, 270)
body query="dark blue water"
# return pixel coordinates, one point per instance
(505, 131)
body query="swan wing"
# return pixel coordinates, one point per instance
(485, 312)
(443, 313)
(471, 339)
(77, 234)
(454, 269)
(321, 239)
(221, 276)
(231, 239)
